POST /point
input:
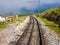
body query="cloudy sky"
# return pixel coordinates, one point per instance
(23, 3)
(50, 1)
(13, 5)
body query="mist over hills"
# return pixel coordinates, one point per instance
(24, 10)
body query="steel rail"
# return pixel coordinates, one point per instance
(26, 30)
(31, 33)
(23, 32)
(40, 32)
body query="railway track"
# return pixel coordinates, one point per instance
(32, 35)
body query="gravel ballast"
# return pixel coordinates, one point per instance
(51, 37)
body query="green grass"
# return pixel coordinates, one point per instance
(51, 26)
(3, 25)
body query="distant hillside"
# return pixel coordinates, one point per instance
(44, 7)
(52, 15)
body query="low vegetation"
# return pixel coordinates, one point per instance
(21, 18)
(52, 15)
(5, 24)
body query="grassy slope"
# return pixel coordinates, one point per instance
(51, 25)
(20, 19)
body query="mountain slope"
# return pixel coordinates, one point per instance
(52, 15)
